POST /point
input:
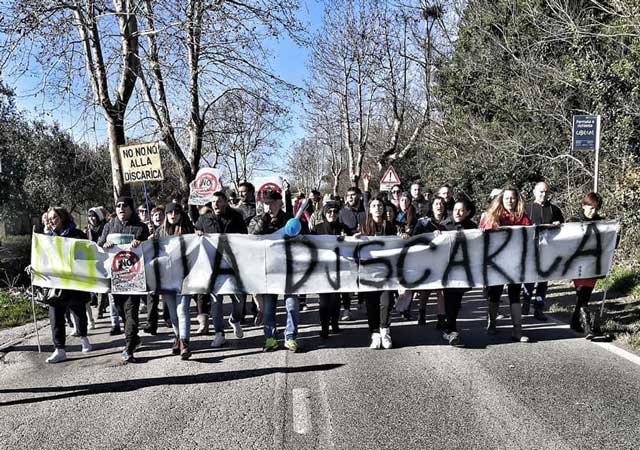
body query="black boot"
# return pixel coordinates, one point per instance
(575, 320)
(537, 311)
(585, 321)
(526, 306)
(335, 327)
(422, 316)
(442, 322)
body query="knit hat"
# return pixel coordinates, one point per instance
(271, 196)
(330, 205)
(126, 200)
(97, 210)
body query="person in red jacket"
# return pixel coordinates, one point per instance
(506, 209)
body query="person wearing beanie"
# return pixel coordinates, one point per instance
(126, 228)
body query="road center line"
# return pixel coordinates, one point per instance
(301, 411)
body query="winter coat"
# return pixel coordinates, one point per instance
(428, 225)
(69, 296)
(334, 228)
(544, 214)
(232, 221)
(134, 226)
(248, 211)
(262, 224)
(506, 220)
(450, 225)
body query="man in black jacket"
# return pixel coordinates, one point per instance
(541, 212)
(223, 220)
(247, 205)
(126, 228)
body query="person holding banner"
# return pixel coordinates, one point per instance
(353, 214)
(329, 303)
(60, 223)
(581, 318)
(405, 218)
(177, 223)
(379, 303)
(126, 226)
(506, 209)
(432, 224)
(95, 225)
(223, 219)
(541, 212)
(273, 219)
(459, 220)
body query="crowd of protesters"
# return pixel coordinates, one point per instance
(399, 212)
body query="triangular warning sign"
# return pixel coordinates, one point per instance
(390, 177)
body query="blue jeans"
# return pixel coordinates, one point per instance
(217, 315)
(179, 312)
(291, 303)
(113, 312)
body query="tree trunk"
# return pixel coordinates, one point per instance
(115, 128)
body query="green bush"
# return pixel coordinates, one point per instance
(15, 309)
(622, 281)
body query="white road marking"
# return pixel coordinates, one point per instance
(301, 411)
(618, 351)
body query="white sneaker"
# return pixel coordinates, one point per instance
(57, 356)
(86, 345)
(237, 328)
(92, 325)
(385, 337)
(376, 342)
(452, 338)
(346, 316)
(218, 340)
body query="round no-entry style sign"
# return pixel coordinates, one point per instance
(126, 265)
(268, 187)
(207, 182)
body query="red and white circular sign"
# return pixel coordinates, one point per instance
(126, 265)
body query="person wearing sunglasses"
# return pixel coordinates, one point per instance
(329, 302)
(126, 228)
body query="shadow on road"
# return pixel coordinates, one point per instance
(133, 385)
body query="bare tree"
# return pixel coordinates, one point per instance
(72, 44)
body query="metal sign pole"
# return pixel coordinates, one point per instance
(35, 321)
(596, 170)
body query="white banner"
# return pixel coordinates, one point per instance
(226, 264)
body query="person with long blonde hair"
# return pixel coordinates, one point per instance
(506, 209)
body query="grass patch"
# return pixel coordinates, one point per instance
(16, 245)
(622, 281)
(15, 309)
(630, 339)
(560, 308)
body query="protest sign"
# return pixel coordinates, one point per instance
(141, 162)
(263, 184)
(127, 273)
(225, 264)
(201, 189)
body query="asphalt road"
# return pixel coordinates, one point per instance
(558, 392)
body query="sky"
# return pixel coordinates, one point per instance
(288, 61)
